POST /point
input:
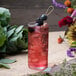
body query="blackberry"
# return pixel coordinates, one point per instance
(39, 21)
(31, 29)
(43, 17)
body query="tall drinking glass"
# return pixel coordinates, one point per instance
(38, 46)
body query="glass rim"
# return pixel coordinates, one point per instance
(32, 24)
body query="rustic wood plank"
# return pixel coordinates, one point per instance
(25, 11)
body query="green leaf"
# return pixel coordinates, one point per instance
(7, 61)
(10, 32)
(11, 48)
(5, 30)
(10, 27)
(25, 35)
(4, 16)
(3, 49)
(74, 42)
(2, 10)
(2, 40)
(14, 39)
(18, 41)
(64, 63)
(73, 2)
(21, 44)
(16, 36)
(65, 9)
(2, 65)
(19, 29)
(73, 65)
(2, 36)
(73, 46)
(20, 34)
(74, 6)
(74, 74)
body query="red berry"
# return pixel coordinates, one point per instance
(67, 3)
(60, 40)
(70, 10)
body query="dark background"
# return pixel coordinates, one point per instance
(25, 11)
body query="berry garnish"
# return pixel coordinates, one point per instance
(43, 17)
(31, 29)
(70, 10)
(67, 3)
(60, 40)
(39, 21)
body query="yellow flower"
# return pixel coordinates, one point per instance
(71, 34)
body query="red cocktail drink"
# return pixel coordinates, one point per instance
(38, 46)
